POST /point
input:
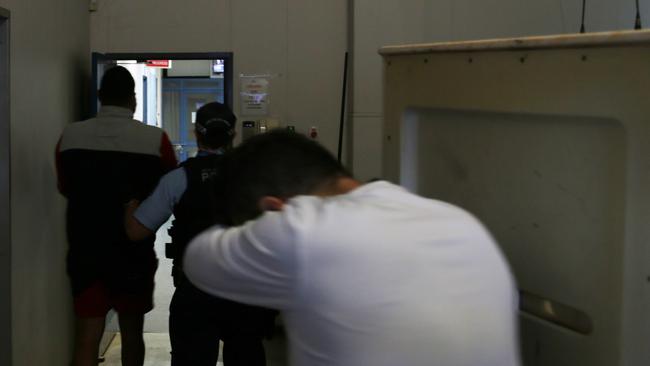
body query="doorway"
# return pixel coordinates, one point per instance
(170, 87)
(169, 90)
(5, 194)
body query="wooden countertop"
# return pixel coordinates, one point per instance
(587, 40)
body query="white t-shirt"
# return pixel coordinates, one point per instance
(378, 276)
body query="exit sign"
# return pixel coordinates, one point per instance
(164, 64)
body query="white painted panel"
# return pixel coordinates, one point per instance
(316, 54)
(260, 47)
(378, 23)
(367, 148)
(505, 18)
(161, 26)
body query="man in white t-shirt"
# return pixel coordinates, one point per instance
(364, 275)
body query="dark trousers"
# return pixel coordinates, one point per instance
(197, 321)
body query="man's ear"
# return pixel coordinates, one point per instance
(133, 102)
(270, 203)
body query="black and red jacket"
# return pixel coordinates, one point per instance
(101, 164)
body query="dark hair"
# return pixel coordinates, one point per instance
(117, 87)
(278, 163)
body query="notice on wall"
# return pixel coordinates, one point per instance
(254, 96)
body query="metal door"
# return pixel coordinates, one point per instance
(181, 99)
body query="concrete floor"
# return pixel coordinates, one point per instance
(158, 348)
(157, 353)
(156, 321)
(156, 326)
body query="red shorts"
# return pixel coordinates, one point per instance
(97, 300)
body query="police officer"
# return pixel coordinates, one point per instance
(198, 320)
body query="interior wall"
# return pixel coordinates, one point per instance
(5, 195)
(299, 44)
(383, 22)
(190, 68)
(48, 61)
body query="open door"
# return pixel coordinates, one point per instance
(170, 88)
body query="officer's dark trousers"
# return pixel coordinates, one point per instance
(197, 321)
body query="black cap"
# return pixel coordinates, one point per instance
(215, 124)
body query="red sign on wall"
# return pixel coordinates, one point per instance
(165, 64)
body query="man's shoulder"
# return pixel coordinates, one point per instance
(145, 127)
(134, 126)
(112, 134)
(78, 125)
(77, 131)
(151, 133)
(107, 122)
(380, 204)
(413, 201)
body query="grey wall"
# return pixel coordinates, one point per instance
(49, 58)
(300, 42)
(5, 209)
(382, 22)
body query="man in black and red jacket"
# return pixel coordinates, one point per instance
(102, 163)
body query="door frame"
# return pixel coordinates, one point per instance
(5, 192)
(145, 99)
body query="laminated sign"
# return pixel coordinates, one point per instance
(254, 96)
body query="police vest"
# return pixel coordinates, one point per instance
(198, 208)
